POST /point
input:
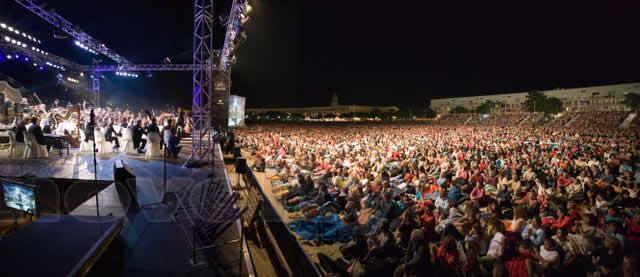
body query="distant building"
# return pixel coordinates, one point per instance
(333, 108)
(598, 98)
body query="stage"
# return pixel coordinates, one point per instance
(150, 243)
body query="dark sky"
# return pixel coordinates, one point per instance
(369, 52)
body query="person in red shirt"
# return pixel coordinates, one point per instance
(563, 221)
(564, 180)
(447, 256)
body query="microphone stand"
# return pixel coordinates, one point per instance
(92, 126)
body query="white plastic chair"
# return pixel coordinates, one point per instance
(104, 147)
(127, 141)
(153, 145)
(16, 149)
(32, 149)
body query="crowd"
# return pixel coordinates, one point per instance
(463, 200)
(75, 123)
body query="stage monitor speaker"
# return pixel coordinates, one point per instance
(125, 183)
(236, 152)
(241, 165)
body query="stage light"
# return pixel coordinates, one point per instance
(81, 74)
(9, 57)
(17, 32)
(13, 41)
(10, 29)
(35, 64)
(4, 26)
(7, 38)
(26, 59)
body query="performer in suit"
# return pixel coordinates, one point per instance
(137, 131)
(37, 133)
(112, 135)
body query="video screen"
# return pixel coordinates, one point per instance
(236, 111)
(19, 197)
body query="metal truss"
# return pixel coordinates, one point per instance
(40, 58)
(234, 29)
(72, 30)
(202, 100)
(147, 67)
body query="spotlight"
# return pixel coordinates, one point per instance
(9, 57)
(7, 38)
(4, 26)
(35, 64)
(81, 74)
(10, 29)
(26, 59)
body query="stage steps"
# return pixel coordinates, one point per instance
(628, 120)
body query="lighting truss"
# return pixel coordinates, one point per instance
(234, 28)
(202, 98)
(147, 67)
(74, 31)
(40, 57)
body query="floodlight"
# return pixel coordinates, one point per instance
(9, 57)
(4, 26)
(10, 29)
(7, 38)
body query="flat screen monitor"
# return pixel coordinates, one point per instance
(19, 196)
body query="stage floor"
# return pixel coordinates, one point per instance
(153, 245)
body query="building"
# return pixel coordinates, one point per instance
(335, 108)
(597, 98)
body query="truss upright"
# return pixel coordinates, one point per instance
(202, 103)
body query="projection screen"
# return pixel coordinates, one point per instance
(236, 111)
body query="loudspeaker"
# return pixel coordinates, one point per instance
(236, 152)
(241, 165)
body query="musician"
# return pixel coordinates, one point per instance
(180, 123)
(20, 128)
(56, 104)
(112, 136)
(88, 132)
(137, 131)
(153, 127)
(37, 133)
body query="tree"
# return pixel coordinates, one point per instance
(486, 107)
(552, 105)
(459, 109)
(538, 102)
(632, 100)
(534, 101)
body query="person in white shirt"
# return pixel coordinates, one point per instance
(547, 258)
(495, 230)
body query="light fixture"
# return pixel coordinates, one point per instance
(4, 26)
(6, 38)
(9, 57)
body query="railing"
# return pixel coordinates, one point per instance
(297, 259)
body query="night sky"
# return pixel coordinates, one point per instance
(370, 52)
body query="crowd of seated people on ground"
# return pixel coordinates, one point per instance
(507, 119)
(72, 124)
(434, 200)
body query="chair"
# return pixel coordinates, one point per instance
(16, 149)
(32, 149)
(104, 147)
(153, 145)
(85, 146)
(127, 141)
